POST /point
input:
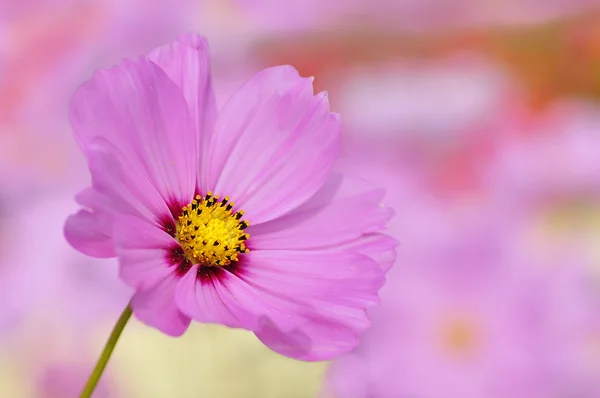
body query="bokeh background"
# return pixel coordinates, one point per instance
(480, 117)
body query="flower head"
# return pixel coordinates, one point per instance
(232, 218)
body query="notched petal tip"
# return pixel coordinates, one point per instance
(282, 77)
(102, 77)
(322, 98)
(387, 213)
(101, 73)
(285, 69)
(323, 95)
(193, 40)
(379, 247)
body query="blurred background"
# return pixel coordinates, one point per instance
(480, 117)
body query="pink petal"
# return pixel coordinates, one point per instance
(325, 276)
(379, 247)
(136, 107)
(186, 61)
(319, 339)
(274, 144)
(327, 291)
(113, 194)
(342, 210)
(82, 232)
(143, 251)
(118, 187)
(308, 305)
(209, 299)
(156, 307)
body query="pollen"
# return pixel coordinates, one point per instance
(209, 233)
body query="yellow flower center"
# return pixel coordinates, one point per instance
(209, 233)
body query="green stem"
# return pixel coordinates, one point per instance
(106, 353)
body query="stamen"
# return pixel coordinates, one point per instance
(209, 233)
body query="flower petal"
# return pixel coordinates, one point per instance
(143, 251)
(118, 187)
(379, 247)
(342, 210)
(345, 278)
(312, 303)
(156, 307)
(320, 339)
(308, 305)
(274, 144)
(328, 291)
(82, 232)
(207, 298)
(113, 194)
(138, 109)
(186, 61)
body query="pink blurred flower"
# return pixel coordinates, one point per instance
(469, 317)
(549, 180)
(42, 277)
(301, 276)
(567, 311)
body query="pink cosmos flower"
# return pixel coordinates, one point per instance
(232, 219)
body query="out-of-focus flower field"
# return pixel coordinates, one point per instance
(480, 118)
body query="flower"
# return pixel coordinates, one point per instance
(233, 219)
